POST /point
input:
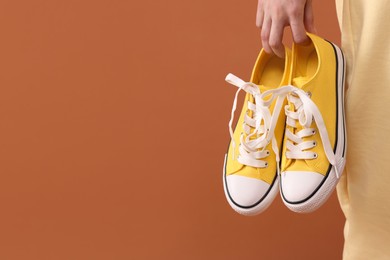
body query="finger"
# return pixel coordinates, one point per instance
(298, 30)
(259, 14)
(276, 37)
(309, 17)
(265, 31)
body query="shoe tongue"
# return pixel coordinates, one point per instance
(300, 81)
(262, 88)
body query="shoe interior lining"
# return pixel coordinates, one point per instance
(270, 73)
(307, 63)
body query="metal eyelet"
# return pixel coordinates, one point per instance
(315, 143)
(267, 152)
(314, 132)
(266, 165)
(308, 93)
(315, 155)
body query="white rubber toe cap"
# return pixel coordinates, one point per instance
(298, 186)
(246, 191)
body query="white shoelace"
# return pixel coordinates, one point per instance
(259, 128)
(252, 151)
(305, 110)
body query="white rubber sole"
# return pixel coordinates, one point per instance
(321, 195)
(258, 207)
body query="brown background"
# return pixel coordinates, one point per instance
(113, 122)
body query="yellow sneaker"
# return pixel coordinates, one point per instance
(314, 145)
(250, 170)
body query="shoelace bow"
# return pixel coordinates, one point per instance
(252, 150)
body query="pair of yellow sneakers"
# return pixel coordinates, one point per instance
(301, 149)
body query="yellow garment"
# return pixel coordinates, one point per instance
(364, 189)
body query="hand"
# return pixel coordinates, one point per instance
(274, 15)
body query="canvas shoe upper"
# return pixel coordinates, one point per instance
(251, 163)
(314, 144)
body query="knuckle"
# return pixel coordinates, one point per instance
(278, 13)
(295, 11)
